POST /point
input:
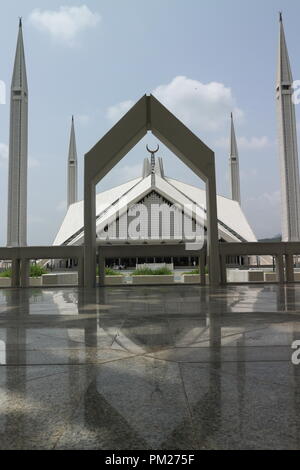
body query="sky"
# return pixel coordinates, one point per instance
(95, 59)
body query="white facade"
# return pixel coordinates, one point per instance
(152, 189)
(17, 179)
(288, 151)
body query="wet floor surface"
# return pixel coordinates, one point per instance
(169, 367)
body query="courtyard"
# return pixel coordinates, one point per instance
(133, 367)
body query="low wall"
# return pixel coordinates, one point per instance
(236, 275)
(270, 277)
(113, 280)
(33, 281)
(159, 279)
(71, 279)
(191, 278)
(60, 279)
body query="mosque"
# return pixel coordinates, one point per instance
(153, 186)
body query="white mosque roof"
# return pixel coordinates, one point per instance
(73, 221)
(232, 223)
(229, 211)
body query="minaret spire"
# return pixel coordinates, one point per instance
(234, 166)
(72, 167)
(18, 152)
(288, 148)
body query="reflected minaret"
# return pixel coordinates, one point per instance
(17, 177)
(234, 166)
(288, 151)
(72, 168)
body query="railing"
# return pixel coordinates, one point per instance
(21, 256)
(283, 252)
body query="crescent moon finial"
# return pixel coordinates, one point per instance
(152, 151)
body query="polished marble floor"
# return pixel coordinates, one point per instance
(183, 367)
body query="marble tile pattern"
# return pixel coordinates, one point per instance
(168, 367)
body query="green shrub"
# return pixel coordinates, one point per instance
(6, 273)
(112, 272)
(35, 271)
(152, 272)
(109, 272)
(195, 271)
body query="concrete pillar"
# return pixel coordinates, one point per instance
(101, 265)
(223, 269)
(89, 233)
(212, 230)
(202, 268)
(25, 263)
(289, 268)
(80, 272)
(279, 269)
(15, 274)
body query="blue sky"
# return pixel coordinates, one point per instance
(94, 59)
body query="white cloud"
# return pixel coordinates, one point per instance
(121, 174)
(270, 198)
(202, 107)
(82, 119)
(129, 172)
(3, 151)
(33, 219)
(254, 143)
(250, 173)
(245, 143)
(263, 212)
(66, 23)
(33, 163)
(114, 113)
(61, 206)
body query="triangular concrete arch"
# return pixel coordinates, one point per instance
(148, 114)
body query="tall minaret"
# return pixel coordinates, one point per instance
(288, 151)
(234, 170)
(17, 178)
(72, 167)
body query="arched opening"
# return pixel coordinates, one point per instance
(148, 114)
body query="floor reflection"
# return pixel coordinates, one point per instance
(152, 368)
